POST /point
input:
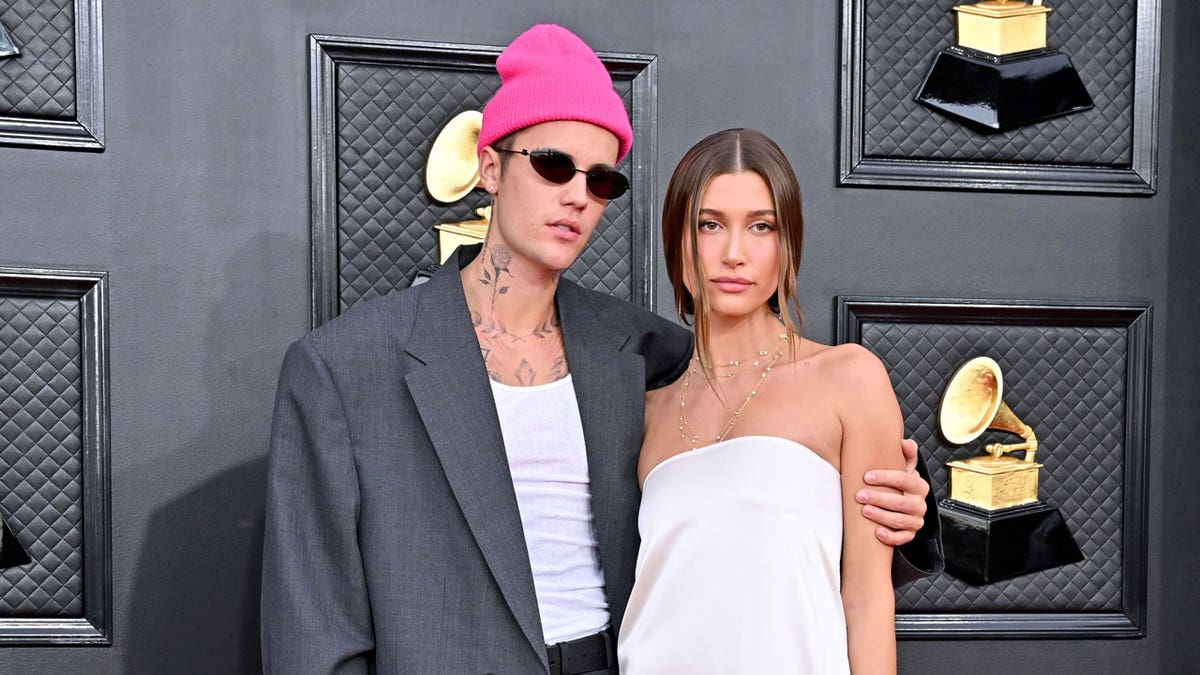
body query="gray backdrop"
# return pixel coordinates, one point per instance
(199, 209)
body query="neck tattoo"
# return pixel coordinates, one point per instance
(690, 439)
(526, 357)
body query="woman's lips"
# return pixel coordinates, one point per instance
(732, 284)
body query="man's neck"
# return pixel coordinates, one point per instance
(500, 289)
(512, 309)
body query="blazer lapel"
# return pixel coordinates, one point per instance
(454, 398)
(609, 387)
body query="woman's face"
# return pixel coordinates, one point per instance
(737, 244)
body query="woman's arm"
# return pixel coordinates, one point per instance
(871, 431)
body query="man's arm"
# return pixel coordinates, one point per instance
(908, 520)
(315, 613)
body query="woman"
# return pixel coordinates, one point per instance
(755, 557)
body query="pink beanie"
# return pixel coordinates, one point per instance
(549, 74)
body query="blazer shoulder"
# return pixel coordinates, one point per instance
(365, 330)
(665, 346)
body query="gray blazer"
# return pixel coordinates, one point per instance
(392, 531)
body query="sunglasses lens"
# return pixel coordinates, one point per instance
(558, 167)
(555, 167)
(607, 184)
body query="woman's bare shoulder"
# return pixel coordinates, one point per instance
(844, 360)
(854, 363)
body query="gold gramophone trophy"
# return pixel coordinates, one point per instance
(994, 526)
(451, 173)
(1001, 75)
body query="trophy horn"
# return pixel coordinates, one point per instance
(974, 402)
(453, 167)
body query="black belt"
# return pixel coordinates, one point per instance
(583, 655)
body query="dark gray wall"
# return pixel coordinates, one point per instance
(199, 209)
(1180, 365)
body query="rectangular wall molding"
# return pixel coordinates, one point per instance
(54, 456)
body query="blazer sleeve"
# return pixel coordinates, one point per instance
(667, 350)
(316, 616)
(923, 555)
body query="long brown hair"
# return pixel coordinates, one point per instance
(725, 152)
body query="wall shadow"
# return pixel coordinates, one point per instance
(194, 601)
(194, 597)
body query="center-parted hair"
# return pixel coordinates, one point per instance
(728, 152)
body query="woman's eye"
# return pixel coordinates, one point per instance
(708, 225)
(762, 226)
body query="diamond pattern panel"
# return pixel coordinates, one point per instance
(41, 432)
(1068, 383)
(40, 82)
(387, 117)
(901, 39)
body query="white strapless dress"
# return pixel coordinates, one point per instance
(739, 569)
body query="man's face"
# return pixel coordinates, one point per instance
(542, 224)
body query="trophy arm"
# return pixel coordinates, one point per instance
(1030, 445)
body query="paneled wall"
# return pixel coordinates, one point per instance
(198, 210)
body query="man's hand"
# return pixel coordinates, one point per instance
(900, 515)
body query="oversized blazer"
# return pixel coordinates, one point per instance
(393, 537)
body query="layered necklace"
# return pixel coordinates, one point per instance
(755, 360)
(684, 429)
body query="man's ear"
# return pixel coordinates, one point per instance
(489, 167)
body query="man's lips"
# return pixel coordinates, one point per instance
(567, 230)
(732, 284)
(566, 226)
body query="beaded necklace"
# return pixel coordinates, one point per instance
(693, 439)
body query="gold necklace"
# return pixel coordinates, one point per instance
(693, 439)
(757, 355)
(758, 360)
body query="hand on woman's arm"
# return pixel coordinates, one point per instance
(871, 429)
(895, 499)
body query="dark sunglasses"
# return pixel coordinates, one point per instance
(558, 168)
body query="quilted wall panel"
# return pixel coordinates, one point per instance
(41, 431)
(901, 39)
(52, 91)
(1078, 374)
(388, 108)
(1068, 383)
(54, 458)
(40, 81)
(887, 139)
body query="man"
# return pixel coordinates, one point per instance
(452, 483)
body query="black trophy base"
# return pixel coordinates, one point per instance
(998, 93)
(12, 553)
(983, 547)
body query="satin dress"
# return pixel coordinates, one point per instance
(739, 566)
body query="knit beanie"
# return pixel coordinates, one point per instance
(549, 74)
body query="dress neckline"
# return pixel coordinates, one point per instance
(721, 445)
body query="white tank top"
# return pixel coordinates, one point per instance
(543, 436)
